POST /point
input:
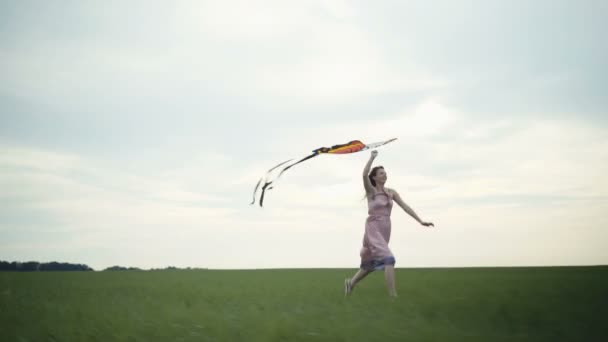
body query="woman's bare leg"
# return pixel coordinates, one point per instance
(361, 273)
(389, 276)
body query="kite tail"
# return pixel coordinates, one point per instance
(265, 187)
(298, 162)
(256, 190)
(263, 192)
(266, 178)
(279, 165)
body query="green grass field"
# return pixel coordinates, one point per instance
(476, 304)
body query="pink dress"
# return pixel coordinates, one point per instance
(375, 253)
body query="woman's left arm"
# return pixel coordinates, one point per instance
(409, 210)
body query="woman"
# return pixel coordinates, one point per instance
(375, 253)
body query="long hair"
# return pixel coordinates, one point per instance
(371, 176)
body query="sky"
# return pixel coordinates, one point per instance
(132, 133)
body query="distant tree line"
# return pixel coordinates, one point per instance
(168, 268)
(41, 266)
(121, 268)
(32, 266)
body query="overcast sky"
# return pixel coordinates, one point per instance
(133, 132)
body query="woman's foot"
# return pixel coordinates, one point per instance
(347, 287)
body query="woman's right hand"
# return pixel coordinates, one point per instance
(374, 154)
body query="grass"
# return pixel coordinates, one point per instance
(471, 304)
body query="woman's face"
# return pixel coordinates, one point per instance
(380, 176)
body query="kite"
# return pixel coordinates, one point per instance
(350, 147)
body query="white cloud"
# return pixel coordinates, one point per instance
(87, 194)
(490, 183)
(527, 157)
(271, 49)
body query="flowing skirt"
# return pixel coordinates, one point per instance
(375, 253)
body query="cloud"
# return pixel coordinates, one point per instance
(545, 173)
(90, 194)
(440, 144)
(126, 134)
